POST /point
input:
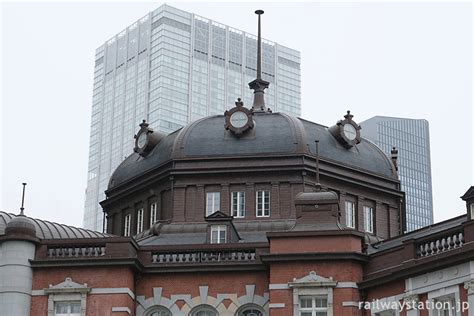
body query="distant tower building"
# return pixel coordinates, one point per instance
(173, 67)
(411, 137)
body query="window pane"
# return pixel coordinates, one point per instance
(306, 303)
(75, 307)
(321, 302)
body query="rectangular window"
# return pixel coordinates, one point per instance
(213, 202)
(139, 221)
(126, 226)
(263, 203)
(368, 219)
(238, 204)
(67, 308)
(350, 214)
(313, 306)
(218, 234)
(152, 213)
(445, 306)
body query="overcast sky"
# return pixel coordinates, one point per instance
(395, 59)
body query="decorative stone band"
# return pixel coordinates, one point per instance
(121, 290)
(469, 286)
(339, 285)
(411, 300)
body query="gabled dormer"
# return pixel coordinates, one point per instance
(220, 229)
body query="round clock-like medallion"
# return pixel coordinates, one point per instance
(346, 131)
(350, 131)
(141, 141)
(238, 119)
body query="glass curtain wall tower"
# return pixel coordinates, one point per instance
(170, 68)
(411, 137)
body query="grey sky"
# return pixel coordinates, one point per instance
(394, 59)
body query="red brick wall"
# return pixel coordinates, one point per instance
(347, 243)
(386, 290)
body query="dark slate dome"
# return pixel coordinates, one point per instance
(273, 134)
(21, 226)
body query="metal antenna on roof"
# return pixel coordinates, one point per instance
(23, 200)
(318, 184)
(259, 85)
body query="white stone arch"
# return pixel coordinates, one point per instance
(245, 307)
(236, 303)
(157, 308)
(201, 307)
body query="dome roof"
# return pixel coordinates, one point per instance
(273, 134)
(42, 229)
(21, 226)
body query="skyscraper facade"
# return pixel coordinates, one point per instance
(170, 68)
(411, 138)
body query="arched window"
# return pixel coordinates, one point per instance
(250, 310)
(158, 311)
(203, 310)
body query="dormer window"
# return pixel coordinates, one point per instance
(213, 202)
(218, 234)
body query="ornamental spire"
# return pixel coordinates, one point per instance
(259, 85)
(22, 208)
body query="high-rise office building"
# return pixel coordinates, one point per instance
(170, 68)
(411, 138)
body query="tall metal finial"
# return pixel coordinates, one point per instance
(259, 85)
(23, 200)
(318, 184)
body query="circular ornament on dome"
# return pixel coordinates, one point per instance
(346, 131)
(143, 140)
(238, 119)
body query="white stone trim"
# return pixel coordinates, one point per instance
(120, 290)
(387, 301)
(443, 278)
(67, 291)
(144, 306)
(121, 310)
(276, 305)
(278, 286)
(113, 290)
(350, 304)
(452, 291)
(345, 285)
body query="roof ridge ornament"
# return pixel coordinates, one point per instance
(22, 208)
(259, 85)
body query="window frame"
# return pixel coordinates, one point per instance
(350, 214)
(215, 203)
(368, 219)
(219, 229)
(140, 220)
(153, 211)
(127, 225)
(264, 212)
(69, 313)
(313, 309)
(238, 209)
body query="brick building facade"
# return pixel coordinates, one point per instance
(249, 213)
